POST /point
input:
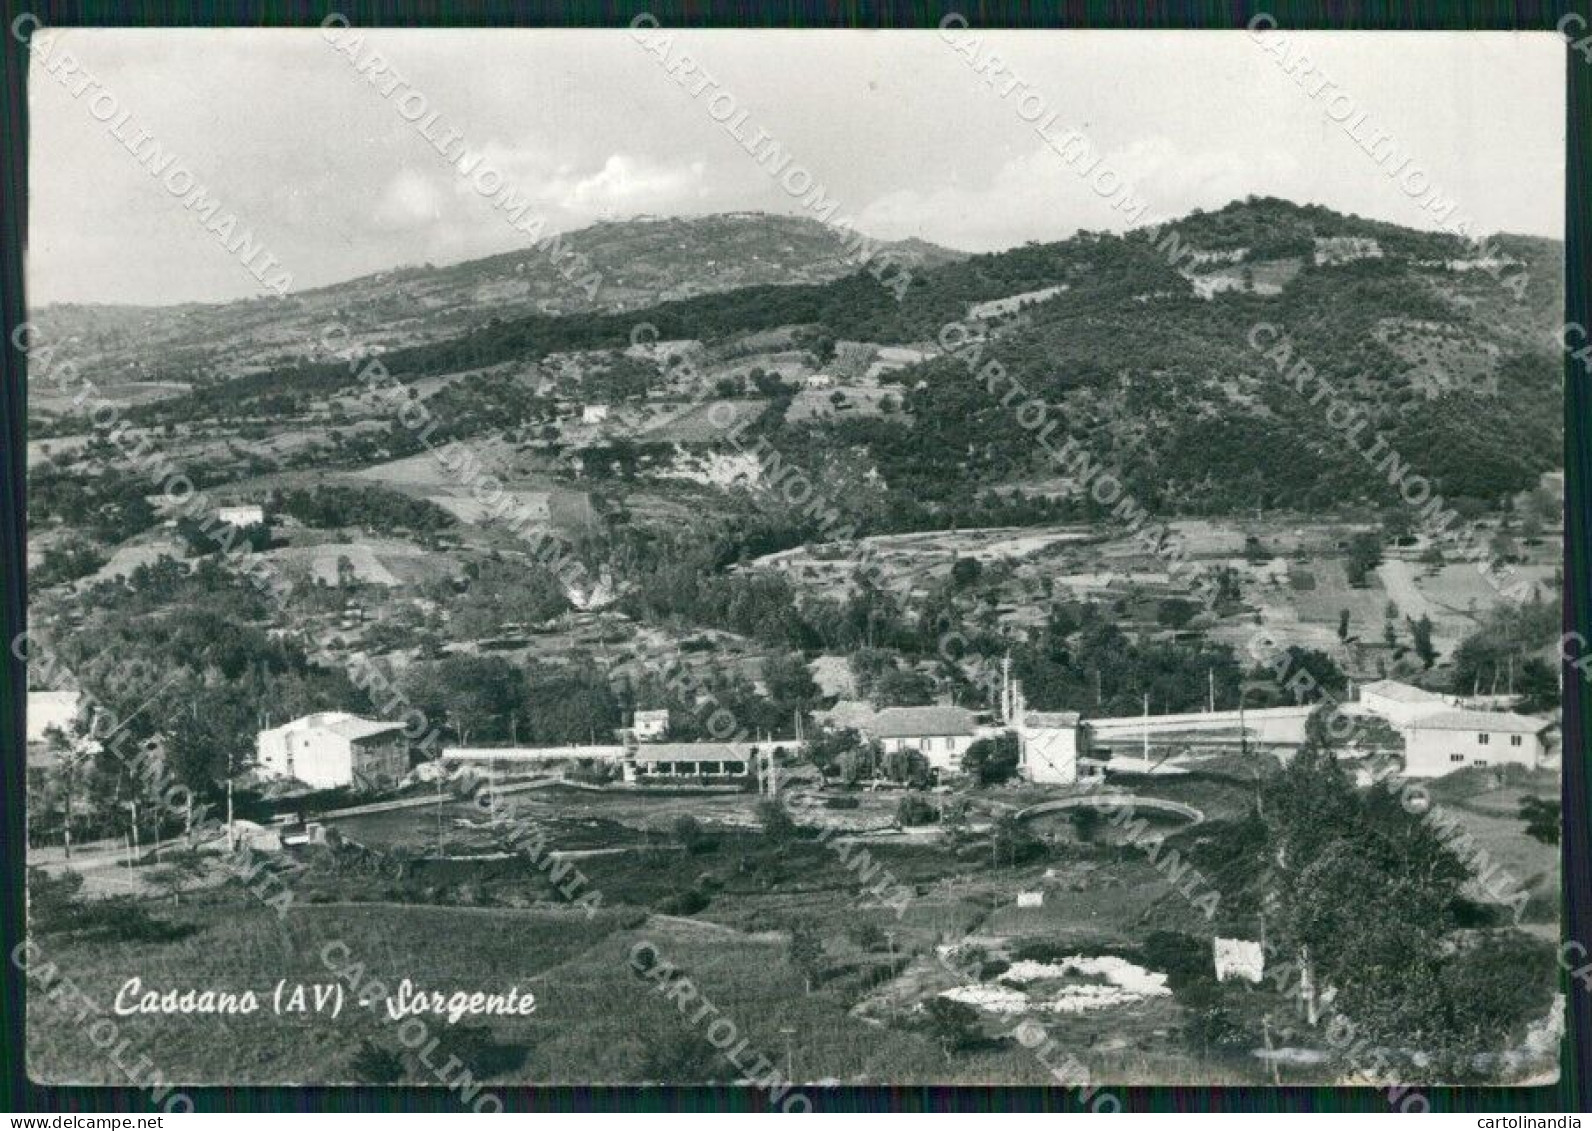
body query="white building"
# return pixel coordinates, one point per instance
(1049, 745)
(241, 516)
(332, 749)
(649, 725)
(941, 734)
(820, 381)
(717, 761)
(593, 413)
(1399, 703)
(1444, 741)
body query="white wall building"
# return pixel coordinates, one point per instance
(593, 413)
(1049, 745)
(1399, 703)
(1444, 741)
(697, 760)
(332, 749)
(649, 725)
(941, 734)
(241, 516)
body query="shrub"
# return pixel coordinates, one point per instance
(777, 823)
(868, 935)
(1214, 1028)
(690, 833)
(483, 1053)
(54, 902)
(954, 1024)
(1183, 958)
(687, 902)
(375, 1064)
(1085, 822)
(915, 810)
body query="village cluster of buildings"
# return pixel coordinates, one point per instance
(1440, 734)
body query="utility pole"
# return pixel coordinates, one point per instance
(439, 814)
(1210, 677)
(790, 1070)
(890, 939)
(1146, 727)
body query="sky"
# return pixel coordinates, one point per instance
(899, 127)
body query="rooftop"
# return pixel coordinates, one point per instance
(341, 723)
(918, 722)
(1051, 718)
(703, 751)
(1401, 692)
(1495, 721)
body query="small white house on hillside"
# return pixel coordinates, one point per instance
(241, 516)
(650, 725)
(334, 749)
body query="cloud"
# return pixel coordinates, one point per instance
(410, 200)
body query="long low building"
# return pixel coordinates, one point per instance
(722, 760)
(640, 761)
(1261, 726)
(483, 755)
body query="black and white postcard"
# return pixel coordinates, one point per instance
(795, 559)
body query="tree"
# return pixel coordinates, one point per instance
(955, 1025)
(915, 810)
(965, 571)
(210, 738)
(805, 951)
(1537, 685)
(851, 765)
(791, 687)
(477, 695)
(903, 687)
(908, 766)
(690, 833)
(1541, 815)
(778, 826)
(1421, 634)
(1011, 843)
(1306, 674)
(1364, 893)
(1085, 820)
(1364, 555)
(375, 1064)
(992, 760)
(177, 873)
(825, 749)
(1503, 548)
